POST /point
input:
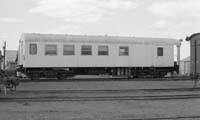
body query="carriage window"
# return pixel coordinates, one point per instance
(123, 51)
(32, 49)
(159, 51)
(102, 50)
(68, 50)
(86, 50)
(50, 49)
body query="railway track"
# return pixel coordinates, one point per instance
(102, 95)
(196, 117)
(111, 90)
(107, 79)
(99, 98)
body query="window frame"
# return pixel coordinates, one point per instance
(160, 53)
(65, 51)
(56, 52)
(100, 51)
(123, 47)
(90, 51)
(30, 49)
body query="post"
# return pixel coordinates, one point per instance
(1, 59)
(4, 55)
(195, 57)
(5, 90)
(195, 64)
(178, 52)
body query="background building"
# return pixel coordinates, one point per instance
(185, 66)
(194, 53)
(10, 57)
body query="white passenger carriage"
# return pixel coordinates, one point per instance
(41, 55)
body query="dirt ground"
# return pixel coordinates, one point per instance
(110, 110)
(184, 109)
(102, 85)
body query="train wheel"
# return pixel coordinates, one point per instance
(34, 76)
(60, 76)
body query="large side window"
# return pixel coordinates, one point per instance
(50, 49)
(32, 49)
(86, 50)
(123, 51)
(102, 50)
(68, 50)
(159, 51)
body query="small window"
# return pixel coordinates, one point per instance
(86, 50)
(68, 50)
(102, 50)
(50, 49)
(159, 51)
(123, 51)
(33, 49)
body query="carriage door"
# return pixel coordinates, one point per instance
(160, 56)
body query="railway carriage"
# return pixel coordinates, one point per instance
(61, 55)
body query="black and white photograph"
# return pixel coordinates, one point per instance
(99, 60)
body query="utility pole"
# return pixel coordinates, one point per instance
(178, 55)
(4, 55)
(178, 52)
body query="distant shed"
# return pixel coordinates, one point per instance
(185, 66)
(10, 58)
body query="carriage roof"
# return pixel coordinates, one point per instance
(31, 37)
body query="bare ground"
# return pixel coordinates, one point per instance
(184, 109)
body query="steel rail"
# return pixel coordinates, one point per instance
(99, 98)
(166, 118)
(111, 90)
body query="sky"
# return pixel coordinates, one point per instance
(139, 18)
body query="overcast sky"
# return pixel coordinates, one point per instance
(140, 18)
